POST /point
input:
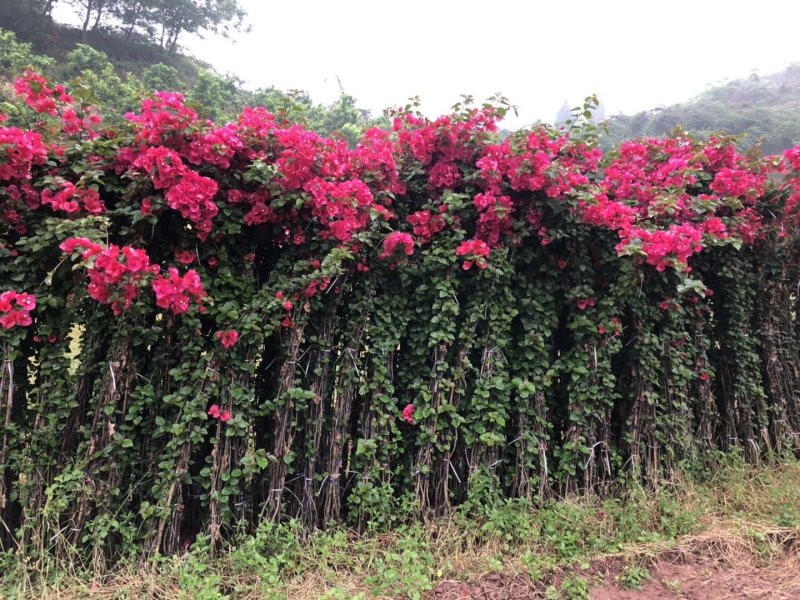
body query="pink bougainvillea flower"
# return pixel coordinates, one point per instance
(408, 414)
(15, 317)
(26, 302)
(66, 199)
(175, 291)
(397, 240)
(617, 325)
(228, 338)
(215, 413)
(475, 252)
(38, 94)
(185, 257)
(115, 274)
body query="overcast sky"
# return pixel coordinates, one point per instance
(634, 54)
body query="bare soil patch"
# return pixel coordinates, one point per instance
(779, 579)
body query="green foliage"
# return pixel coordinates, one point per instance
(405, 568)
(575, 588)
(17, 56)
(758, 110)
(161, 77)
(85, 58)
(117, 85)
(273, 553)
(519, 389)
(510, 522)
(344, 118)
(197, 577)
(276, 559)
(217, 98)
(633, 577)
(94, 72)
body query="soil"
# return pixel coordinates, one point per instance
(694, 577)
(706, 578)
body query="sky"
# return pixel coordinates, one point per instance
(635, 55)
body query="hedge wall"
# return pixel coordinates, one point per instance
(206, 327)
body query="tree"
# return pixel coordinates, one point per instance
(160, 20)
(94, 71)
(216, 96)
(93, 12)
(138, 14)
(43, 7)
(342, 117)
(16, 56)
(161, 77)
(85, 58)
(294, 106)
(197, 16)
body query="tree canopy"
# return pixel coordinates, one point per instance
(159, 21)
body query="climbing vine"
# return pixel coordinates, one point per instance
(208, 327)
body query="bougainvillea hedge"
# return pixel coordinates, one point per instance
(205, 327)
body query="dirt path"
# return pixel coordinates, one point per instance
(706, 579)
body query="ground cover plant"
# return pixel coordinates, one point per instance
(730, 533)
(210, 331)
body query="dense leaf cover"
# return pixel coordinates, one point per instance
(206, 327)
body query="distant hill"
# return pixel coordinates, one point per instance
(764, 111)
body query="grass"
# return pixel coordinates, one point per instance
(736, 510)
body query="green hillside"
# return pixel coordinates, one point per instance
(120, 69)
(764, 110)
(129, 54)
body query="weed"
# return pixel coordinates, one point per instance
(537, 565)
(197, 578)
(338, 593)
(277, 561)
(510, 521)
(406, 568)
(789, 516)
(633, 577)
(552, 593)
(575, 588)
